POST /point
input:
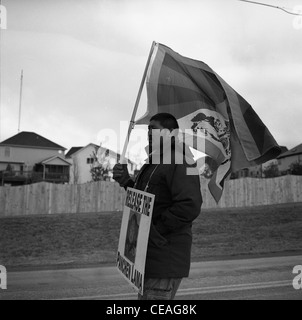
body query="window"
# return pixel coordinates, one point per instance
(7, 152)
(90, 160)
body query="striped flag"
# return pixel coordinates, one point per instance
(222, 124)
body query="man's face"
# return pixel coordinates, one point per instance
(152, 126)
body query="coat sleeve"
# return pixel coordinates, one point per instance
(186, 199)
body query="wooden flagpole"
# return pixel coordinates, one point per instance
(132, 121)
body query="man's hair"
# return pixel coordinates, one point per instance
(167, 120)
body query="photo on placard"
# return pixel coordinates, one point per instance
(131, 235)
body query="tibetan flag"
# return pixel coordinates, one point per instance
(223, 125)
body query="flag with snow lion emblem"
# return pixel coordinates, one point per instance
(219, 121)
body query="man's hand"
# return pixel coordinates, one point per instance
(121, 174)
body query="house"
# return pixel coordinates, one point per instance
(289, 157)
(28, 157)
(83, 159)
(256, 171)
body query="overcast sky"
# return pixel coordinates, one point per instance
(83, 61)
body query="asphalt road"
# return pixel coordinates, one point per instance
(258, 278)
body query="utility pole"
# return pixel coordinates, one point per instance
(20, 100)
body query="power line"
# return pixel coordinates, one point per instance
(287, 10)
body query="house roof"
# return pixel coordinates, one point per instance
(72, 151)
(46, 161)
(294, 151)
(75, 150)
(31, 139)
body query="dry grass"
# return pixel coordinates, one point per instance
(256, 230)
(85, 239)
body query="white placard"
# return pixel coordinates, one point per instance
(134, 235)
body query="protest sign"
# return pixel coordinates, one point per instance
(134, 235)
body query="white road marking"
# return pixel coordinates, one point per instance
(193, 291)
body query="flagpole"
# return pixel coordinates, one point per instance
(20, 101)
(132, 121)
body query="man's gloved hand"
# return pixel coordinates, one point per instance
(121, 174)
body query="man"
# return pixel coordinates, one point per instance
(177, 203)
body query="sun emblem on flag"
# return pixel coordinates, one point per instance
(213, 128)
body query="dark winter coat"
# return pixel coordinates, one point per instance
(177, 203)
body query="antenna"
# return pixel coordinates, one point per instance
(20, 101)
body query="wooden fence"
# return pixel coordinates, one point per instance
(47, 198)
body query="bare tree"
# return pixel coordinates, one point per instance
(100, 167)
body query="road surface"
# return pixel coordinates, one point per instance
(257, 278)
